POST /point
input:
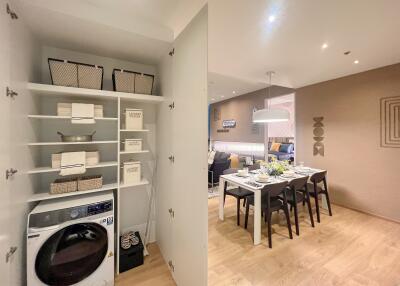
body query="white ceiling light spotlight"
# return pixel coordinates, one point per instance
(233, 92)
(270, 115)
(356, 61)
(271, 18)
(324, 46)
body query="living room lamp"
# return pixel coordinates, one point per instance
(269, 115)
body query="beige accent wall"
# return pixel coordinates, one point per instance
(361, 174)
(240, 108)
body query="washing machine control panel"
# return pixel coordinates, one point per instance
(50, 218)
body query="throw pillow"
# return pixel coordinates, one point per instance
(211, 156)
(275, 147)
(286, 148)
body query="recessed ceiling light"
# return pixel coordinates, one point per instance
(271, 18)
(212, 99)
(356, 61)
(222, 96)
(324, 46)
(234, 92)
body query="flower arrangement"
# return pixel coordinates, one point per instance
(275, 167)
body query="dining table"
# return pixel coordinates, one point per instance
(251, 182)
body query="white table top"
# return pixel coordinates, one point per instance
(245, 182)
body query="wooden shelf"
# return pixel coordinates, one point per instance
(134, 130)
(141, 183)
(71, 143)
(40, 170)
(54, 90)
(134, 152)
(46, 196)
(69, 118)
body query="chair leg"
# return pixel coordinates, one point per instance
(310, 210)
(304, 203)
(296, 219)
(268, 215)
(246, 217)
(238, 210)
(317, 207)
(329, 203)
(285, 209)
(244, 201)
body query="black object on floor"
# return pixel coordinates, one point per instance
(132, 257)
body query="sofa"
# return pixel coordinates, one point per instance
(221, 162)
(285, 151)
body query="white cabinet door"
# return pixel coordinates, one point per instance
(164, 164)
(4, 143)
(190, 152)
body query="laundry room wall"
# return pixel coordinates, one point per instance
(134, 203)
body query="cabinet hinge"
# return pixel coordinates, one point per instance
(172, 52)
(172, 105)
(11, 13)
(10, 93)
(10, 253)
(171, 213)
(171, 265)
(171, 158)
(10, 173)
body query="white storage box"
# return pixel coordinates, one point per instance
(131, 172)
(133, 145)
(133, 119)
(65, 109)
(92, 159)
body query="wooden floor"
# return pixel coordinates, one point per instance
(154, 271)
(349, 248)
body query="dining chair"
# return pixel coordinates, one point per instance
(238, 193)
(273, 198)
(297, 192)
(316, 180)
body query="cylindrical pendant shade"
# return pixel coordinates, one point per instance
(271, 115)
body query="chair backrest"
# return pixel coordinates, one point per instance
(318, 177)
(230, 171)
(274, 190)
(298, 183)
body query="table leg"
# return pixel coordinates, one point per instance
(221, 198)
(257, 217)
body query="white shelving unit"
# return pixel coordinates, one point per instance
(133, 152)
(114, 101)
(40, 170)
(69, 118)
(72, 143)
(46, 196)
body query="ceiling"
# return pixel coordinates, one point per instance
(244, 44)
(135, 30)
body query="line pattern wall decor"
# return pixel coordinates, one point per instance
(318, 136)
(390, 122)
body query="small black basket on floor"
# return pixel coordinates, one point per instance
(132, 82)
(132, 257)
(74, 74)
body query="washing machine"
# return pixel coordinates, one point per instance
(70, 241)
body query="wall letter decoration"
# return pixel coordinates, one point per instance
(318, 136)
(390, 122)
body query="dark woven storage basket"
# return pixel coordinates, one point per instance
(132, 82)
(73, 74)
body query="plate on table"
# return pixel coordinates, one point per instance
(242, 175)
(263, 181)
(288, 175)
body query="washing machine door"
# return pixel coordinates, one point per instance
(71, 254)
